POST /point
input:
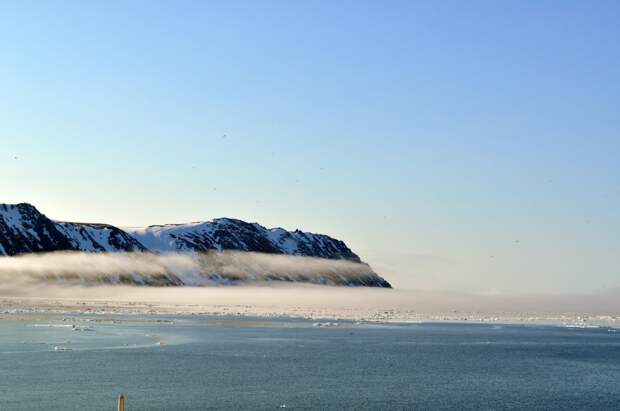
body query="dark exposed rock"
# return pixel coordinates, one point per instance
(230, 234)
(23, 229)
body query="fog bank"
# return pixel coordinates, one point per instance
(194, 269)
(66, 279)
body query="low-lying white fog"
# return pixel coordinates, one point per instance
(178, 268)
(72, 274)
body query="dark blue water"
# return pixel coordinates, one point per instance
(256, 364)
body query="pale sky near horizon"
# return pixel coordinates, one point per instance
(453, 145)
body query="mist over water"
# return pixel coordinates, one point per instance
(75, 276)
(178, 268)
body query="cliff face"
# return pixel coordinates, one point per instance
(23, 230)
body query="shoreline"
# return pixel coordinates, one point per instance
(14, 307)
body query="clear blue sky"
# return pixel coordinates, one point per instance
(462, 145)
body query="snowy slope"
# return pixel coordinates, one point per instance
(230, 234)
(23, 229)
(98, 237)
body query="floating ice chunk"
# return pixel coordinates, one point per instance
(325, 324)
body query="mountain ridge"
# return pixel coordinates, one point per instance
(24, 229)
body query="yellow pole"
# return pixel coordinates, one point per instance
(121, 402)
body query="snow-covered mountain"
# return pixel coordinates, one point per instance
(23, 230)
(230, 234)
(99, 238)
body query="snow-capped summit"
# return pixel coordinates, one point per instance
(23, 229)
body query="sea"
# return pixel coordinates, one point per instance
(83, 362)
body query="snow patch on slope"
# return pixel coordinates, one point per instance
(230, 234)
(13, 217)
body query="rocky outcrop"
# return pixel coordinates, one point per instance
(230, 234)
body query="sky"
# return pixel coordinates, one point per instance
(453, 145)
